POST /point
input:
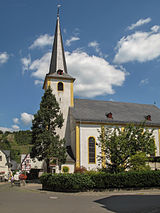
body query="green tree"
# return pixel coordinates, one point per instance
(23, 137)
(5, 144)
(138, 162)
(119, 145)
(46, 142)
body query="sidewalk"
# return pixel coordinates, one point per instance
(151, 191)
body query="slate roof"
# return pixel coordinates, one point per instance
(7, 153)
(14, 165)
(70, 156)
(58, 56)
(57, 76)
(94, 111)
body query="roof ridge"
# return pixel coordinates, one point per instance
(83, 99)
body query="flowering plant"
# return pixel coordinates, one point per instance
(22, 177)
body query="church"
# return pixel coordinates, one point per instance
(84, 117)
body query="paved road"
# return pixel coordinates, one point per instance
(31, 199)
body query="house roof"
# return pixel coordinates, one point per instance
(7, 153)
(14, 165)
(70, 156)
(96, 111)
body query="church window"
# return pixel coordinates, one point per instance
(60, 86)
(92, 150)
(0, 158)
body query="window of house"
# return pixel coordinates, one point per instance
(92, 149)
(0, 158)
(60, 86)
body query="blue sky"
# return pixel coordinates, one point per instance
(112, 49)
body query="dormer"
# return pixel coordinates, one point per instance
(148, 117)
(109, 115)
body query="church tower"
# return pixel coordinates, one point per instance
(58, 79)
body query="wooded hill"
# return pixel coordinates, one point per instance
(17, 142)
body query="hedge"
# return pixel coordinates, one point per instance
(100, 181)
(66, 182)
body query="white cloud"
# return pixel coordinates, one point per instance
(16, 120)
(26, 118)
(4, 129)
(42, 41)
(38, 82)
(155, 28)
(94, 75)
(3, 57)
(40, 67)
(15, 127)
(95, 45)
(72, 39)
(26, 63)
(139, 23)
(144, 82)
(140, 46)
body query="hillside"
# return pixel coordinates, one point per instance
(17, 142)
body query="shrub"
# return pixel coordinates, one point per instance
(100, 181)
(65, 169)
(66, 182)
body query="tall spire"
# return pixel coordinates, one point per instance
(58, 62)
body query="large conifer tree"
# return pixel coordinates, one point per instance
(46, 142)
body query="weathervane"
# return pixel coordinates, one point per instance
(58, 6)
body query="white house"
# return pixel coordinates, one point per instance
(82, 117)
(4, 164)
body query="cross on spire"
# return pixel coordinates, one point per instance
(58, 61)
(58, 6)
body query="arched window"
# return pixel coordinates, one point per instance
(60, 86)
(92, 150)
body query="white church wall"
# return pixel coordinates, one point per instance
(87, 131)
(64, 100)
(156, 135)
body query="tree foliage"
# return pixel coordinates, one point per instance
(5, 144)
(17, 142)
(138, 162)
(46, 141)
(119, 145)
(23, 137)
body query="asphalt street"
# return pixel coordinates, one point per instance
(31, 199)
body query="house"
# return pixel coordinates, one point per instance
(32, 166)
(5, 166)
(83, 117)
